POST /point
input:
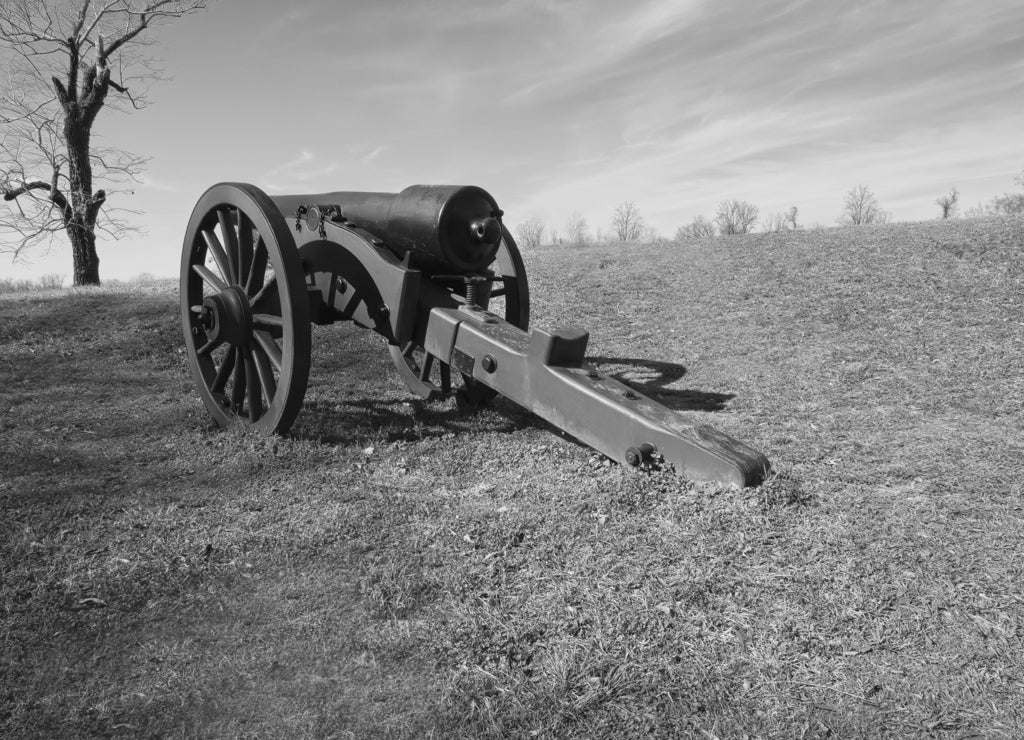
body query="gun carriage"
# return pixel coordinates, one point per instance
(435, 272)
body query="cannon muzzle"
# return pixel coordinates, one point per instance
(449, 227)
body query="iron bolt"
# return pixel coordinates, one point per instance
(489, 364)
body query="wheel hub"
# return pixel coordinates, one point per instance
(227, 316)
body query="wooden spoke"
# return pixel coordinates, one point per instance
(208, 275)
(254, 301)
(266, 319)
(253, 388)
(213, 244)
(257, 269)
(238, 385)
(227, 230)
(209, 347)
(224, 372)
(270, 348)
(265, 372)
(245, 249)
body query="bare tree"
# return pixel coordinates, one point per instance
(1007, 204)
(530, 232)
(736, 216)
(650, 235)
(861, 207)
(781, 221)
(67, 58)
(700, 227)
(948, 203)
(775, 222)
(627, 223)
(577, 233)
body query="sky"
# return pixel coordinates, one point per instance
(559, 107)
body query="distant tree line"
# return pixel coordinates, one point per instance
(860, 208)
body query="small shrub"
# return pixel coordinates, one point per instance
(44, 282)
(52, 281)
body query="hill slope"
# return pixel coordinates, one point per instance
(400, 569)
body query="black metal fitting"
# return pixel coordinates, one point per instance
(489, 364)
(471, 281)
(640, 454)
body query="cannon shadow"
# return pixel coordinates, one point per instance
(358, 420)
(651, 377)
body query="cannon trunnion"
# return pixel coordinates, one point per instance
(434, 271)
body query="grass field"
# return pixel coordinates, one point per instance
(398, 569)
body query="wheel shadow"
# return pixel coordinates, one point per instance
(651, 377)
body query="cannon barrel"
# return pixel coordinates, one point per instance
(450, 227)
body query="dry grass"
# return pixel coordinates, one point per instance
(395, 569)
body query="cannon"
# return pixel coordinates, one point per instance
(434, 271)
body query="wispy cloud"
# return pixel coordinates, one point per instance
(375, 153)
(302, 169)
(559, 106)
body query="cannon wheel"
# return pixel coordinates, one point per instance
(510, 298)
(244, 309)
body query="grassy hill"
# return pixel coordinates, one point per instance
(398, 569)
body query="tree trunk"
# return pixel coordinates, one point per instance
(83, 251)
(81, 228)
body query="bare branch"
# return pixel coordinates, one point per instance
(530, 232)
(81, 19)
(24, 188)
(700, 227)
